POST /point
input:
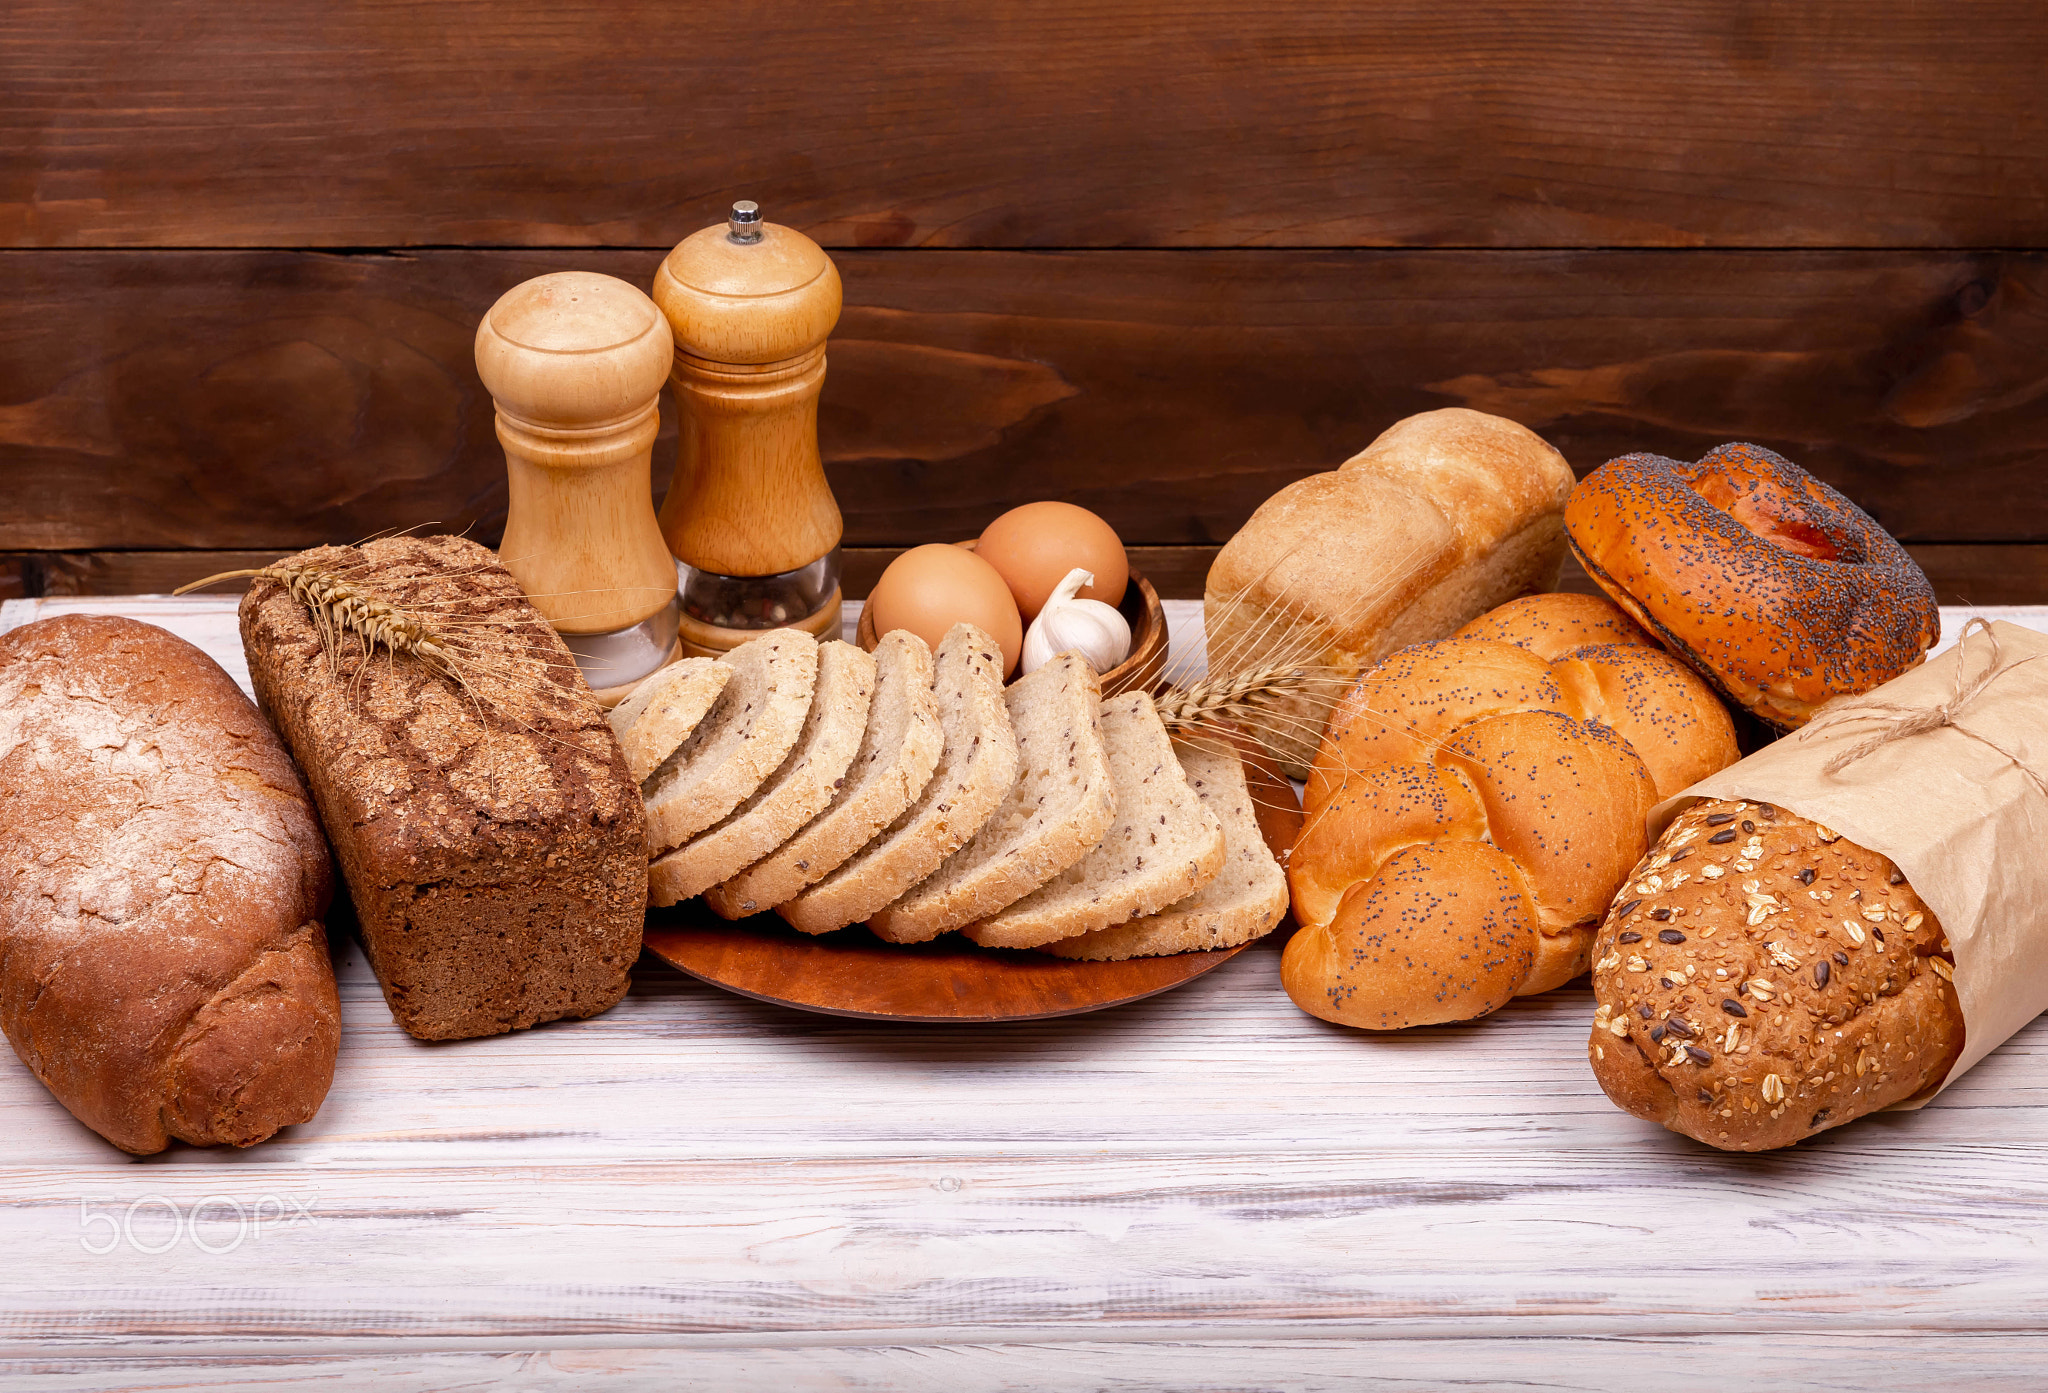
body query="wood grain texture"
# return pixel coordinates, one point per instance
(697, 1163)
(851, 973)
(1054, 123)
(575, 364)
(306, 397)
(1179, 1360)
(1979, 574)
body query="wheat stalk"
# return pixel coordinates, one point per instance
(339, 607)
(1228, 696)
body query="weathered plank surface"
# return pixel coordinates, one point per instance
(1053, 123)
(256, 399)
(1183, 1361)
(1990, 573)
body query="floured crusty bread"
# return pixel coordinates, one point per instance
(163, 969)
(1761, 979)
(898, 752)
(750, 730)
(1053, 815)
(797, 792)
(1246, 900)
(658, 715)
(1445, 515)
(1162, 847)
(976, 768)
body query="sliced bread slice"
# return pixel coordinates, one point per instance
(793, 794)
(976, 768)
(659, 714)
(1163, 846)
(1246, 900)
(897, 754)
(750, 730)
(1053, 815)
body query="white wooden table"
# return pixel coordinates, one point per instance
(1205, 1190)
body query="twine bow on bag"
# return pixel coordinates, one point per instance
(1896, 722)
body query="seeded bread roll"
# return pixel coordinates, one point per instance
(1544, 770)
(1778, 589)
(1761, 979)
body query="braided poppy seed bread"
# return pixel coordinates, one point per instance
(1762, 979)
(1554, 624)
(1474, 807)
(1776, 587)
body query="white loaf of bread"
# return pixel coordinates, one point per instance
(1444, 516)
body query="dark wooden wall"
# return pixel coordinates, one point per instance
(1158, 258)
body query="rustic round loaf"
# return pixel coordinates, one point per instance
(1471, 812)
(1780, 590)
(163, 968)
(1762, 979)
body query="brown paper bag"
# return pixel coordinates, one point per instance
(1945, 770)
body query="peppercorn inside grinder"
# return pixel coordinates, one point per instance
(575, 363)
(751, 521)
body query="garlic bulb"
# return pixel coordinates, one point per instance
(1069, 625)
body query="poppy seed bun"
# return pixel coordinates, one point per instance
(1400, 710)
(1473, 809)
(1762, 979)
(1552, 625)
(1780, 590)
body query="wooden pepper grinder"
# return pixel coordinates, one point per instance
(575, 363)
(749, 515)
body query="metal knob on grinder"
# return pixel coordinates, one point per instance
(749, 515)
(575, 362)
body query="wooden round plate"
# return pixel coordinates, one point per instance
(853, 973)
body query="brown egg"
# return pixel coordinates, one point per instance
(1036, 545)
(929, 589)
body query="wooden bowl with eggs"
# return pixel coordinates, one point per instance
(1143, 669)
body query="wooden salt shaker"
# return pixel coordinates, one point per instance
(749, 514)
(575, 363)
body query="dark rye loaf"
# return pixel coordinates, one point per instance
(163, 969)
(489, 831)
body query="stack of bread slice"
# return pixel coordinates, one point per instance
(912, 791)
